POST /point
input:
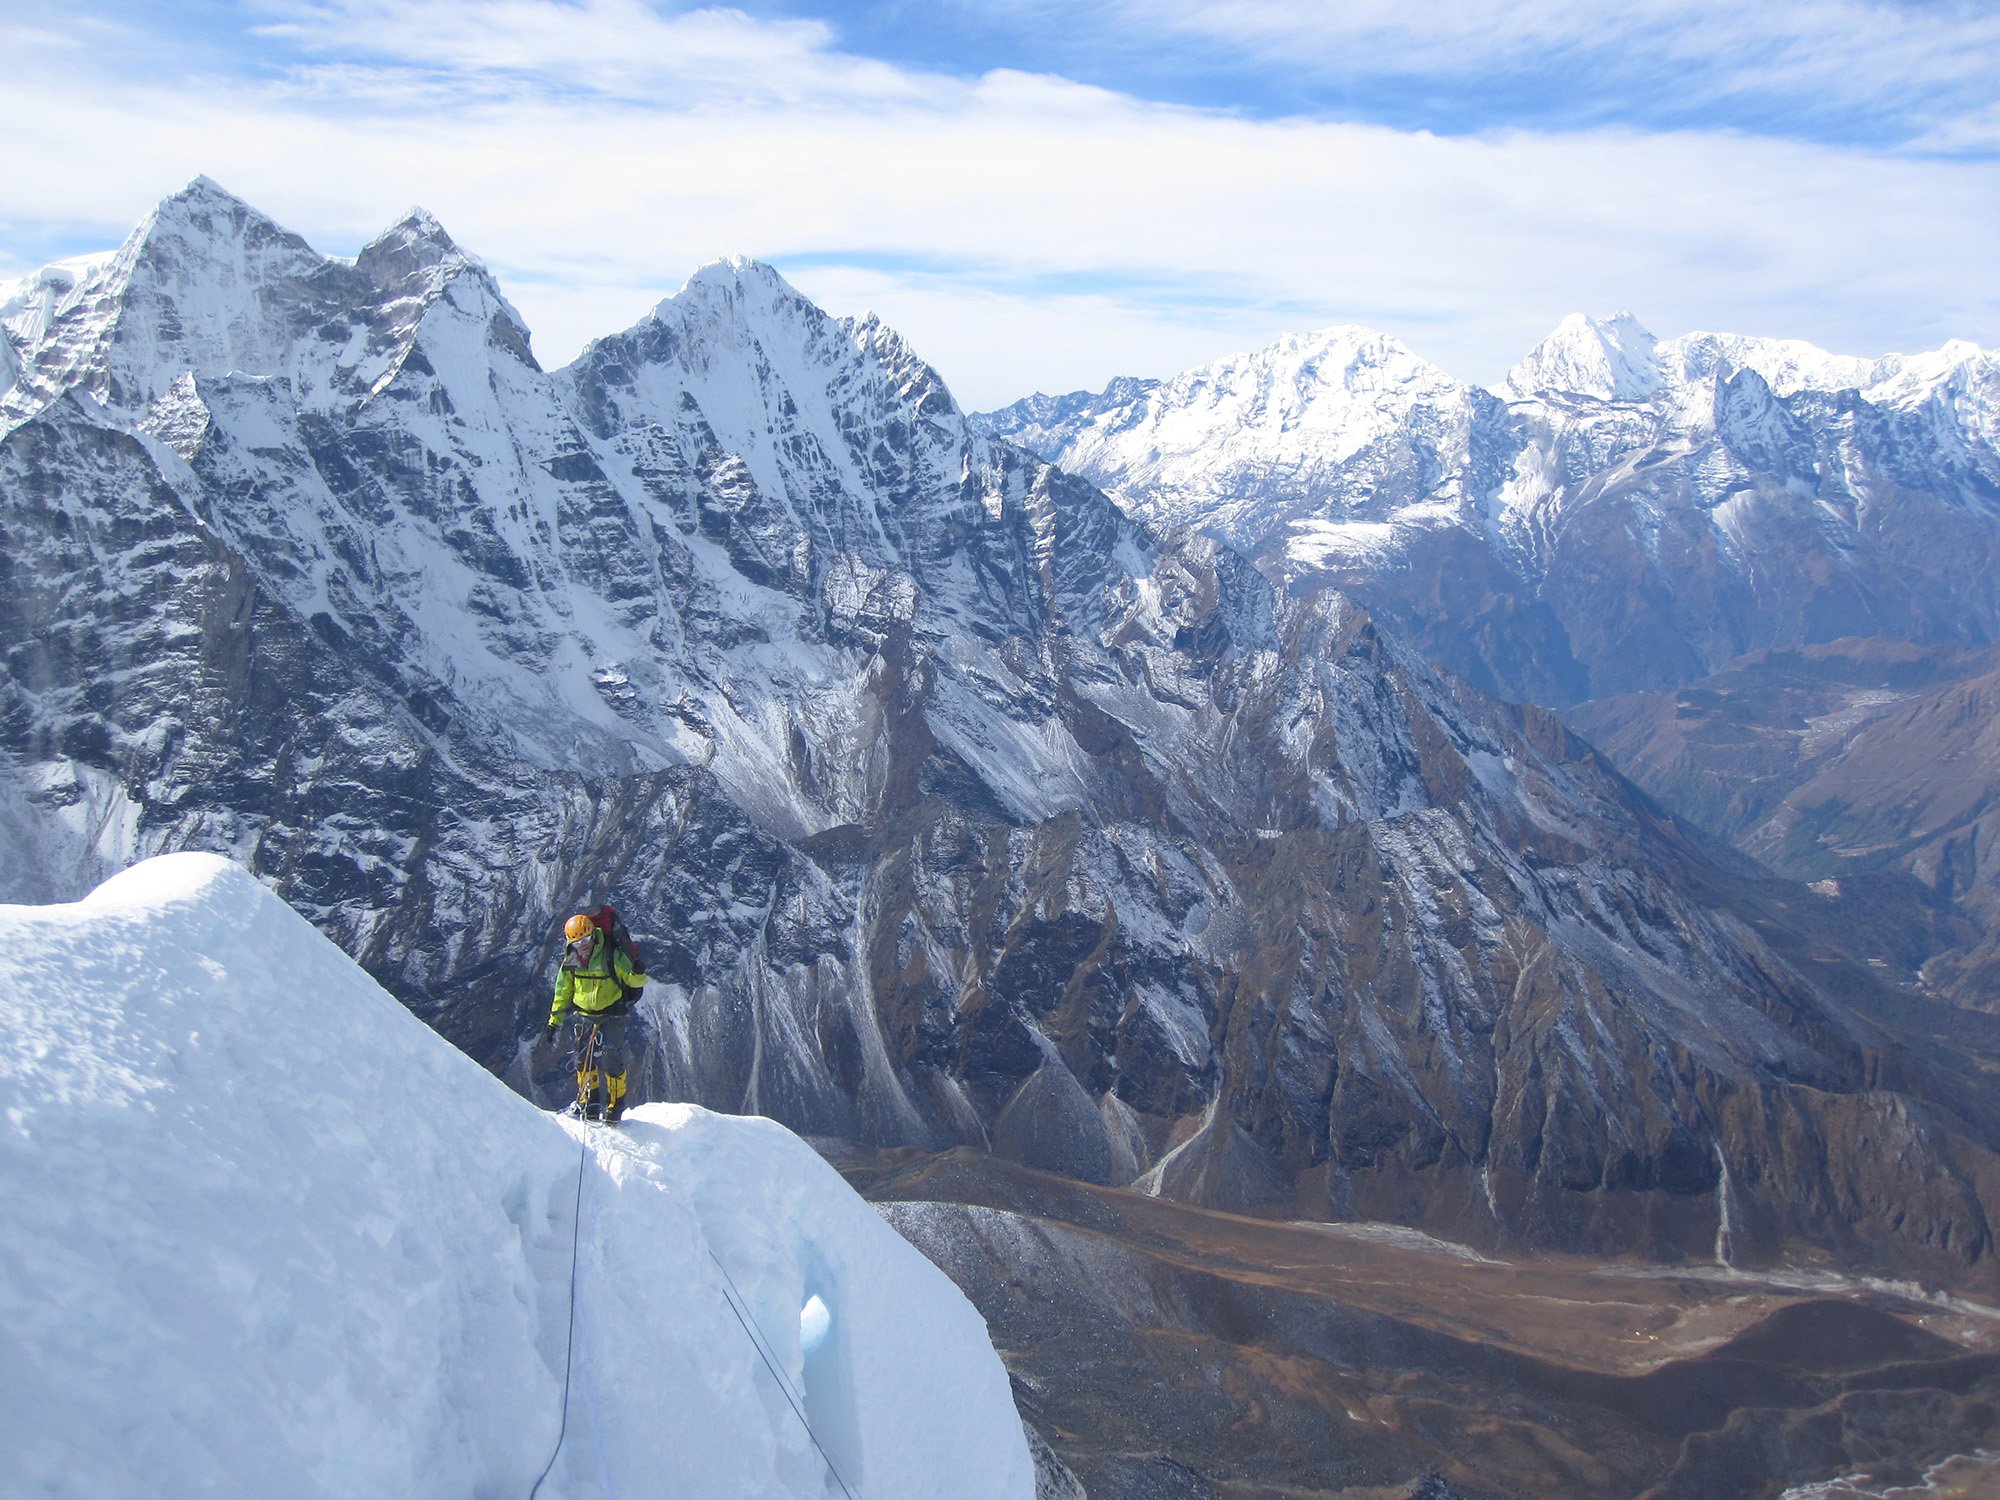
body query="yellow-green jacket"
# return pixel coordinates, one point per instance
(593, 988)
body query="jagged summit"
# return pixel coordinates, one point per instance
(204, 188)
(1617, 359)
(739, 361)
(1241, 445)
(1610, 359)
(201, 201)
(1695, 471)
(738, 299)
(417, 234)
(736, 302)
(211, 287)
(416, 259)
(203, 226)
(737, 273)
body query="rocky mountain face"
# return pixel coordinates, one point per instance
(1624, 514)
(1868, 767)
(953, 804)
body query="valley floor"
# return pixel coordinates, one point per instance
(1167, 1351)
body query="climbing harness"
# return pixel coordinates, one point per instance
(569, 1339)
(758, 1342)
(587, 1079)
(586, 1058)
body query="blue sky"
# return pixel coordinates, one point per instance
(1043, 195)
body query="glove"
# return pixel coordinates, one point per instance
(551, 1029)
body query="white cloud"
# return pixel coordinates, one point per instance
(1907, 62)
(1066, 234)
(602, 48)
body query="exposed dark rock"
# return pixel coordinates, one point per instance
(952, 805)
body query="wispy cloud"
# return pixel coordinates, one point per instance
(1026, 231)
(605, 49)
(1881, 71)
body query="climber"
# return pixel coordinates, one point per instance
(600, 977)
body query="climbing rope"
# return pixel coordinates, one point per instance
(737, 1306)
(749, 1326)
(569, 1340)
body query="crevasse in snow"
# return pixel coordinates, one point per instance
(266, 1234)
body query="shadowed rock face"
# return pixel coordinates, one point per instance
(952, 805)
(1171, 1350)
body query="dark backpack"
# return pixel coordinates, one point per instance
(621, 942)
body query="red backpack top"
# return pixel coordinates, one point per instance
(621, 941)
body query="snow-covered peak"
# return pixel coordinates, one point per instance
(416, 242)
(738, 276)
(1611, 359)
(1307, 399)
(208, 285)
(268, 1233)
(202, 194)
(201, 230)
(832, 414)
(1911, 379)
(192, 288)
(30, 303)
(1618, 360)
(739, 304)
(1310, 376)
(1786, 365)
(415, 262)
(1232, 436)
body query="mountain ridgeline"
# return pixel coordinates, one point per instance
(1626, 529)
(954, 804)
(1624, 514)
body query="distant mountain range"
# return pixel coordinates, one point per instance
(1625, 516)
(955, 804)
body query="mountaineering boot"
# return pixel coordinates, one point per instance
(586, 1093)
(614, 1088)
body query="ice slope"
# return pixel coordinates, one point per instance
(267, 1234)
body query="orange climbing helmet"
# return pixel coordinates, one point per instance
(578, 928)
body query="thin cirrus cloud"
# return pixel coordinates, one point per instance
(1882, 72)
(1026, 229)
(595, 49)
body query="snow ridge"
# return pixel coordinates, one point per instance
(266, 1232)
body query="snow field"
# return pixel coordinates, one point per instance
(267, 1234)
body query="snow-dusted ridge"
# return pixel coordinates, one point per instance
(1643, 508)
(267, 1234)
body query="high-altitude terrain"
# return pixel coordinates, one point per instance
(1868, 767)
(1627, 515)
(1624, 513)
(958, 806)
(955, 805)
(1179, 1352)
(245, 1253)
